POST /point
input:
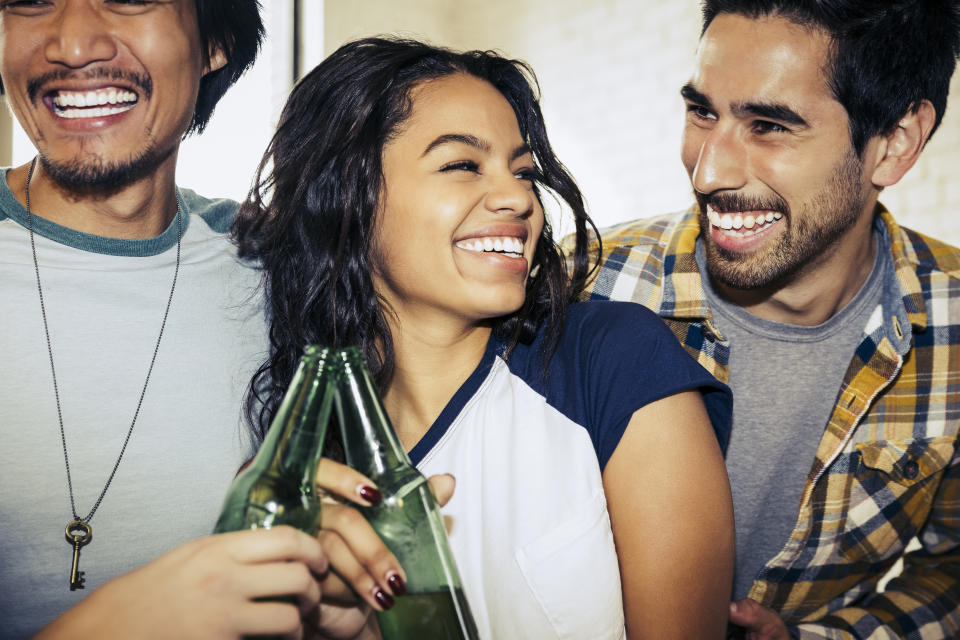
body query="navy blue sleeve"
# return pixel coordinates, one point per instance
(616, 357)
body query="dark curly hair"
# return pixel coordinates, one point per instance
(310, 217)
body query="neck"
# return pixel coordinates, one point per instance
(430, 366)
(821, 288)
(142, 209)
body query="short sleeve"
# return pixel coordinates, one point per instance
(616, 357)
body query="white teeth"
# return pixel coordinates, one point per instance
(743, 224)
(92, 100)
(506, 245)
(96, 112)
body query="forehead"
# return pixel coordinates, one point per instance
(461, 103)
(766, 59)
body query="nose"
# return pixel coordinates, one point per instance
(79, 36)
(721, 162)
(510, 195)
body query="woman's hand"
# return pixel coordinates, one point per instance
(212, 587)
(363, 574)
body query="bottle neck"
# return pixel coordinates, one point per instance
(293, 444)
(370, 442)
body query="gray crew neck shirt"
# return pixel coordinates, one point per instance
(785, 379)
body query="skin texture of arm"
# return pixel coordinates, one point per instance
(672, 516)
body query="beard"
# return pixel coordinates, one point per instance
(816, 226)
(95, 175)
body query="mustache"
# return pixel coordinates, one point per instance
(142, 81)
(725, 202)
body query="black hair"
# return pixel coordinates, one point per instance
(887, 55)
(310, 217)
(233, 27)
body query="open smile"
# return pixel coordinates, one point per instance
(742, 223)
(104, 101)
(507, 245)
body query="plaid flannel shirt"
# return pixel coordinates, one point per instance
(887, 469)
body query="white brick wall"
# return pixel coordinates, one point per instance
(610, 71)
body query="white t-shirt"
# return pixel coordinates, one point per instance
(528, 521)
(104, 302)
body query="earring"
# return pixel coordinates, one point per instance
(535, 270)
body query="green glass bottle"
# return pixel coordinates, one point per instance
(407, 519)
(278, 485)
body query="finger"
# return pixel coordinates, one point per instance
(338, 621)
(364, 584)
(365, 546)
(267, 617)
(744, 613)
(347, 483)
(335, 589)
(270, 545)
(442, 486)
(282, 580)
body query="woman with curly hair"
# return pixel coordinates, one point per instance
(399, 208)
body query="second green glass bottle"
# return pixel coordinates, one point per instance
(407, 519)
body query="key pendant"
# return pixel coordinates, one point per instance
(78, 535)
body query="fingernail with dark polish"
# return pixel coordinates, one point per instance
(383, 598)
(369, 494)
(396, 584)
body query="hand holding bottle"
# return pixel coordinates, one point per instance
(359, 560)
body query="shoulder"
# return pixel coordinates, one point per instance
(595, 323)
(217, 213)
(929, 254)
(654, 231)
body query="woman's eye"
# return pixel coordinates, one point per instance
(530, 174)
(461, 165)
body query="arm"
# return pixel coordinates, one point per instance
(672, 517)
(925, 595)
(207, 588)
(226, 585)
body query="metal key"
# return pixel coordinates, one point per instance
(78, 534)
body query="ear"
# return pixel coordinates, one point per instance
(217, 60)
(898, 150)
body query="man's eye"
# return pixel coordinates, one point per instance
(699, 111)
(764, 126)
(460, 165)
(23, 7)
(132, 7)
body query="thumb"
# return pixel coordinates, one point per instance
(743, 612)
(442, 486)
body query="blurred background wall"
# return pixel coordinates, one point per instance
(610, 73)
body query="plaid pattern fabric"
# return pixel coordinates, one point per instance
(887, 469)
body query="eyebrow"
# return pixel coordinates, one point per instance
(760, 109)
(471, 141)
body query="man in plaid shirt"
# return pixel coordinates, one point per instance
(838, 330)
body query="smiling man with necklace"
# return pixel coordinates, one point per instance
(128, 332)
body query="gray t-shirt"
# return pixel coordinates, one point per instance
(104, 299)
(785, 379)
